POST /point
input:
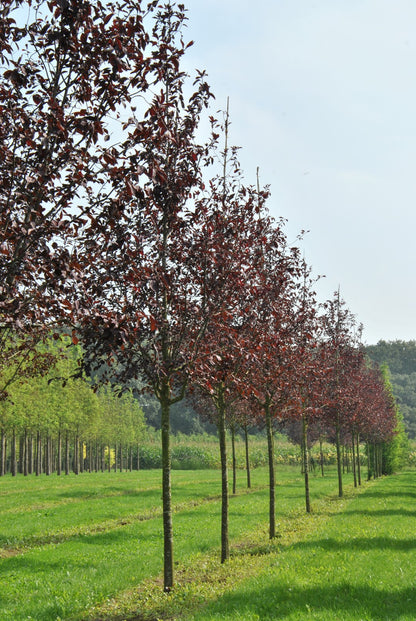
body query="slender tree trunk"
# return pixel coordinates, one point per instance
(138, 456)
(48, 455)
(59, 464)
(25, 453)
(354, 467)
(358, 459)
(272, 483)
(13, 454)
(321, 456)
(22, 454)
(67, 463)
(225, 544)
(166, 488)
(38, 453)
(81, 457)
(30, 455)
(306, 463)
(3, 453)
(76, 455)
(234, 461)
(247, 457)
(339, 459)
(109, 457)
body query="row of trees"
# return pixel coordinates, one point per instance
(116, 230)
(50, 425)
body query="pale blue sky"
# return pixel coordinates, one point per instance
(323, 100)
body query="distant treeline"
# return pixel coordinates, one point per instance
(400, 356)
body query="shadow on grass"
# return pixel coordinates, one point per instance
(333, 602)
(357, 543)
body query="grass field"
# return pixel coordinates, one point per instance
(90, 547)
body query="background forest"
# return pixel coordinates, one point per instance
(400, 356)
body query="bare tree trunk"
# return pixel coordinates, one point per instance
(25, 454)
(321, 456)
(48, 455)
(225, 543)
(13, 454)
(38, 453)
(339, 460)
(247, 457)
(138, 456)
(354, 465)
(306, 463)
(166, 488)
(76, 455)
(2, 453)
(59, 464)
(67, 464)
(234, 460)
(31, 453)
(272, 482)
(358, 459)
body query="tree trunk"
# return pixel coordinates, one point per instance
(48, 455)
(354, 466)
(321, 456)
(13, 454)
(3, 453)
(38, 453)
(166, 488)
(67, 463)
(76, 455)
(247, 457)
(25, 453)
(306, 462)
(59, 464)
(234, 461)
(30, 455)
(358, 459)
(138, 457)
(339, 460)
(225, 544)
(272, 483)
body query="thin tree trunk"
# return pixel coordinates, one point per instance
(59, 464)
(38, 453)
(67, 463)
(30, 455)
(166, 488)
(358, 459)
(339, 460)
(138, 456)
(3, 453)
(13, 454)
(234, 461)
(354, 467)
(25, 454)
(306, 463)
(48, 455)
(225, 545)
(247, 457)
(272, 483)
(76, 455)
(321, 456)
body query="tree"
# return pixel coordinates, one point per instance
(339, 339)
(144, 306)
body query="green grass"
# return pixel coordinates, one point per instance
(90, 547)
